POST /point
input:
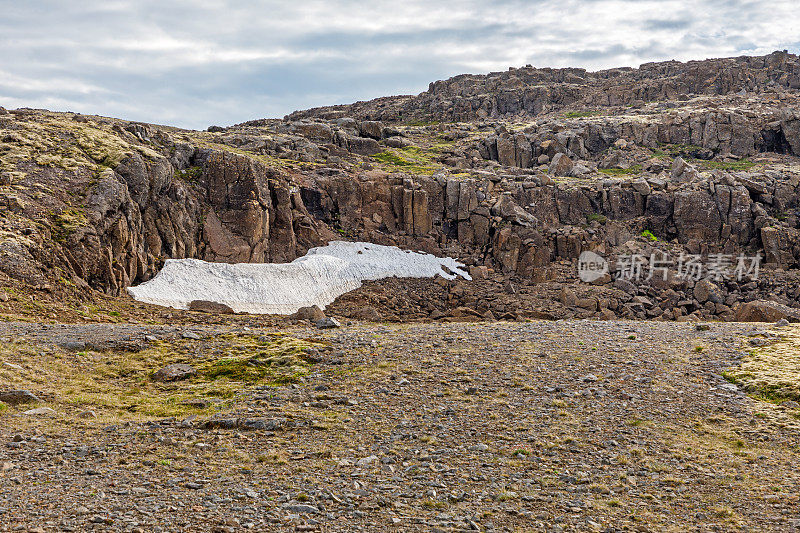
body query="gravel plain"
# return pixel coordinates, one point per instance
(502, 426)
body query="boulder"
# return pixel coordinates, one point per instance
(328, 323)
(561, 165)
(372, 129)
(641, 186)
(683, 171)
(707, 291)
(363, 145)
(766, 311)
(175, 372)
(313, 313)
(367, 313)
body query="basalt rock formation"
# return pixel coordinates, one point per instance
(514, 173)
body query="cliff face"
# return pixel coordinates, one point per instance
(709, 167)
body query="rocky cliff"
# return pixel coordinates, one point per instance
(515, 173)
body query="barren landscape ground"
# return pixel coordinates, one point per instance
(508, 426)
(527, 398)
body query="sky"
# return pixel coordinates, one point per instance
(193, 63)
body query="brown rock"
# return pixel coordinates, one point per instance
(312, 313)
(766, 311)
(478, 272)
(372, 129)
(567, 297)
(706, 291)
(174, 372)
(367, 313)
(16, 397)
(206, 306)
(561, 165)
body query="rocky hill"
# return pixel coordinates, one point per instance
(514, 173)
(121, 416)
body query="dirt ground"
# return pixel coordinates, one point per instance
(482, 426)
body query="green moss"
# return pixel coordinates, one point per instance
(66, 222)
(190, 174)
(580, 114)
(731, 166)
(771, 373)
(119, 383)
(596, 217)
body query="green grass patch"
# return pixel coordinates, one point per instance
(411, 159)
(582, 114)
(596, 217)
(635, 169)
(731, 166)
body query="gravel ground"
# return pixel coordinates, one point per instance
(523, 426)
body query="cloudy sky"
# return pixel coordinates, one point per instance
(193, 63)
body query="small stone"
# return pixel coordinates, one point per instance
(782, 323)
(328, 323)
(301, 508)
(702, 327)
(40, 411)
(87, 414)
(74, 346)
(589, 378)
(367, 461)
(190, 335)
(18, 438)
(479, 448)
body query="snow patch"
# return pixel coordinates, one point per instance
(317, 278)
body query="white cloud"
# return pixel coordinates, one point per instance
(200, 62)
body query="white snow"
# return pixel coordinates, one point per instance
(317, 278)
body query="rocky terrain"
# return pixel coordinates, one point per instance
(537, 426)
(524, 399)
(696, 158)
